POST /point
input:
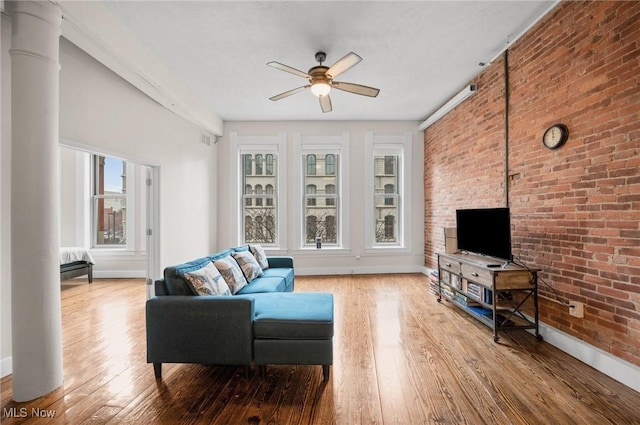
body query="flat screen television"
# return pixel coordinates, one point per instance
(485, 231)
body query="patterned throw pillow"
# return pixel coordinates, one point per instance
(207, 281)
(248, 264)
(260, 255)
(231, 273)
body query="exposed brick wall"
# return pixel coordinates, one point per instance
(576, 210)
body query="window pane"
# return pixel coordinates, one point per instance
(110, 187)
(321, 198)
(260, 199)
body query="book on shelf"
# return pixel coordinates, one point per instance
(474, 291)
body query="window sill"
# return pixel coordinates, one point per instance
(387, 250)
(312, 250)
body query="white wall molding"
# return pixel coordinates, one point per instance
(612, 366)
(346, 270)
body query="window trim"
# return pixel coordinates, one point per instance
(238, 145)
(130, 207)
(336, 144)
(400, 146)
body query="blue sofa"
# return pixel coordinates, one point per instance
(261, 324)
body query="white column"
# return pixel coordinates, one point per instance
(35, 268)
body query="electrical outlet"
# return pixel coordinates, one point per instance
(576, 309)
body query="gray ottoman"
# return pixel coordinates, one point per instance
(294, 329)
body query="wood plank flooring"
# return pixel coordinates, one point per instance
(400, 357)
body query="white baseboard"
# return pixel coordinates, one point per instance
(6, 366)
(325, 271)
(612, 366)
(119, 274)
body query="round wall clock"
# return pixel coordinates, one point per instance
(555, 136)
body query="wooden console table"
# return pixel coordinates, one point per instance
(491, 290)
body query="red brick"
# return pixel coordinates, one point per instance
(575, 210)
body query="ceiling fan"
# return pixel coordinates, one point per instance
(321, 79)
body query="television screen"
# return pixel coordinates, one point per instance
(485, 231)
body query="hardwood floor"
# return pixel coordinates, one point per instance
(399, 358)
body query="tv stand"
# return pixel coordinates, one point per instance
(493, 291)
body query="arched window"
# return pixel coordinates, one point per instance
(330, 189)
(389, 188)
(330, 164)
(269, 191)
(247, 191)
(258, 164)
(269, 164)
(311, 165)
(247, 165)
(258, 192)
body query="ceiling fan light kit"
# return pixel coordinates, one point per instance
(321, 81)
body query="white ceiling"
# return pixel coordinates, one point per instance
(418, 53)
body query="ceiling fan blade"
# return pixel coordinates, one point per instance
(356, 88)
(289, 92)
(325, 103)
(346, 63)
(287, 68)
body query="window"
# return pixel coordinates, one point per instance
(269, 191)
(259, 198)
(311, 165)
(330, 164)
(388, 192)
(321, 206)
(311, 190)
(269, 163)
(109, 202)
(330, 189)
(258, 165)
(247, 165)
(258, 193)
(390, 189)
(385, 198)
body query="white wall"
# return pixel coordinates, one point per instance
(5, 196)
(99, 111)
(356, 259)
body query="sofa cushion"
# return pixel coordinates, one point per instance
(230, 271)
(248, 265)
(303, 315)
(260, 255)
(207, 281)
(284, 273)
(265, 284)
